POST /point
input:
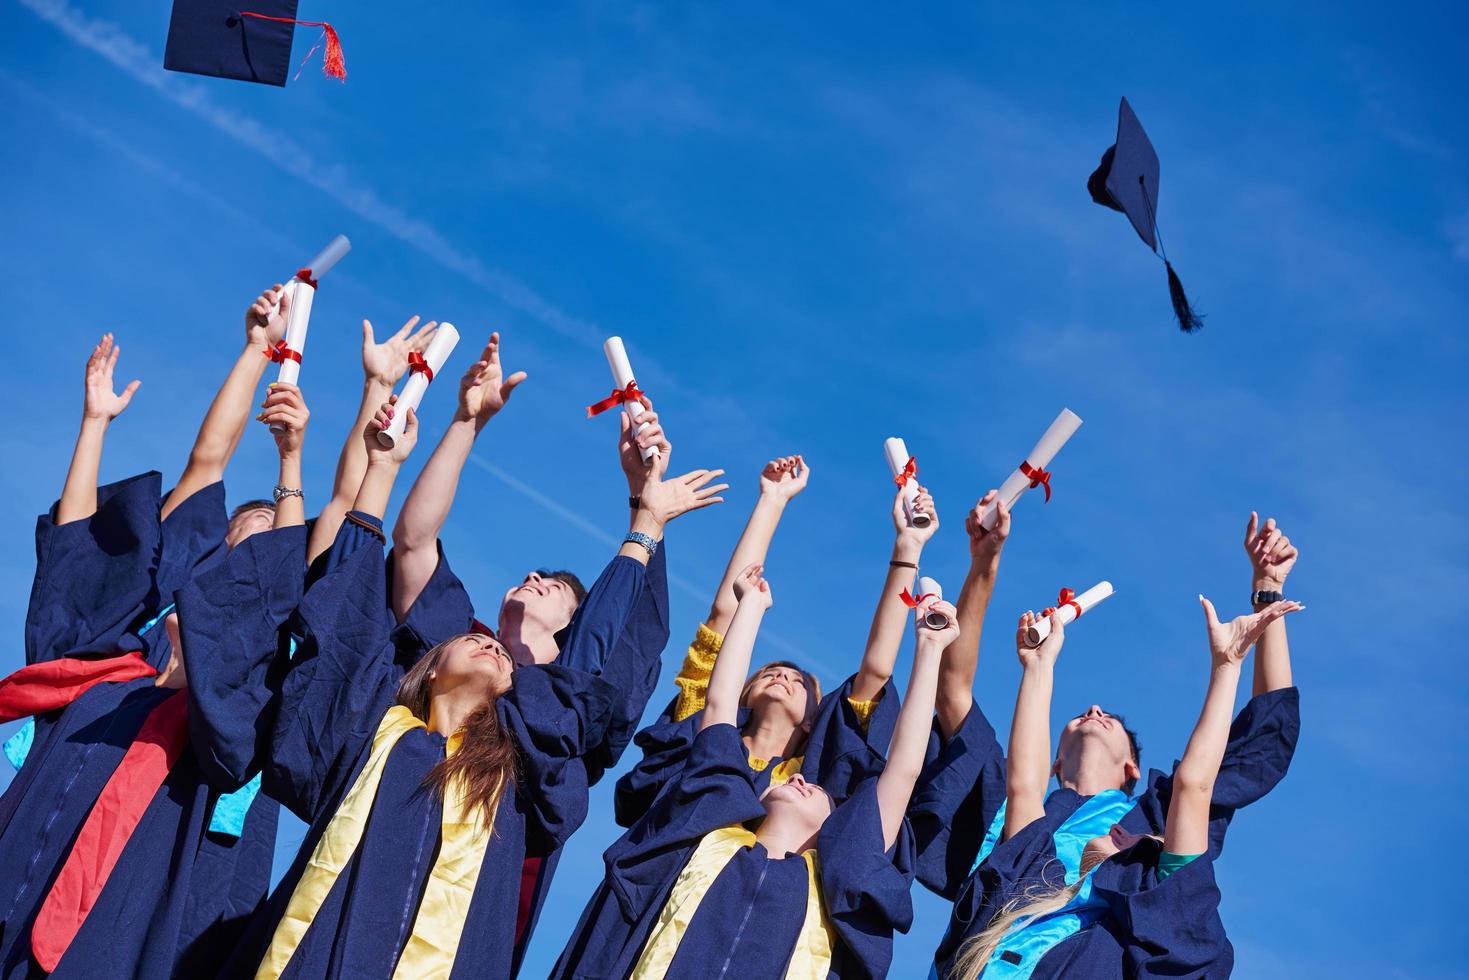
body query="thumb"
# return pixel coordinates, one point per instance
(285, 301)
(626, 423)
(1211, 618)
(411, 424)
(127, 393)
(512, 382)
(367, 337)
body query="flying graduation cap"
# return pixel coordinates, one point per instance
(1127, 181)
(245, 39)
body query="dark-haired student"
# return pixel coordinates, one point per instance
(117, 856)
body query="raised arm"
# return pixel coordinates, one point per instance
(383, 464)
(961, 659)
(886, 633)
(100, 405)
(382, 366)
(660, 497)
(1028, 768)
(754, 597)
(483, 391)
(286, 410)
(228, 414)
(1272, 557)
(915, 720)
(780, 481)
(1187, 830)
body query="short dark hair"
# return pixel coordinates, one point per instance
(1137, 751)
(250, 505)
(568, 578)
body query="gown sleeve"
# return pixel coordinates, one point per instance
(94, 576)
(714, 789)
(961, 788)
(1168, 928)
(634, 665)
(555, 716)
(1262, 741)
(341, 680)
(845, 749)
(665, 745)
(601, 617)
(192, 536)
(232, 626)
(441, 611)
(868, 889)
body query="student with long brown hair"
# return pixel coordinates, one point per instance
(786, 725)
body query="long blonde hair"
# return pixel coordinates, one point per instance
(1020, 911)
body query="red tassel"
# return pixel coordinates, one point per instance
(333, 65)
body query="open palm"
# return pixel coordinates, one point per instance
(386, 362)
(1229, 643)
(102, 402)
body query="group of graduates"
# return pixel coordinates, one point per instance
(189, 670)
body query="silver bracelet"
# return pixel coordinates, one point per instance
(649, 543)
(282, 492)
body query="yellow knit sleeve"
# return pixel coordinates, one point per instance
(693, 679)
(864, 709)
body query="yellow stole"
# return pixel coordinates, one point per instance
(812, 955)
(430, 949)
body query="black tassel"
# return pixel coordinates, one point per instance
(1188, 320)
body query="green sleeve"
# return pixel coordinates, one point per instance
(1169, 862)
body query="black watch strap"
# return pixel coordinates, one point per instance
(1264, 598)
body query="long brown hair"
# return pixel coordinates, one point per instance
(486, 761)
(813, 696)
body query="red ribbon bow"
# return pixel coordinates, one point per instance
(417, 365)
(910, 470)
(333, 65)
(619, 396)
(914, 601)
(304, 275)
(1065, 598)
(1038, 477)
(281, 353)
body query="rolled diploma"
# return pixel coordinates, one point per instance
(302, 295)
(621, 376)
(1067, 613)
(929, 587)
(897, 454)
(437, 355)
(1039, 458)
(321, 265)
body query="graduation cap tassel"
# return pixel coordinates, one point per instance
(333, 65)
(1188, 320)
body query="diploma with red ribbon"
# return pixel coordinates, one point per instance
(1069, 607)
(1032, 472)
(302, 290)
(625, 392)
(421, 371)
(928, 590)
(905, 475)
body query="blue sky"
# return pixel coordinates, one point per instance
(817, 227)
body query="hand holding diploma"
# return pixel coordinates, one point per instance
(905, 475)
(294, 303)
(1032, 471)
(930, 593)
(625, 392)
(1069, 606)
(421, 371)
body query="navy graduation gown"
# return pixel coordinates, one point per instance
(960, 791)
(178, 894)
(343, 679)
(752, 915)
(840, 754)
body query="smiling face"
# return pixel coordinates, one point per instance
(1100, 741)
(782, 688)
(543, 601)
(248, 521)
(799, 804)
(475, 663)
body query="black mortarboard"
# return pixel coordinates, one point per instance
(245, 39)
(1127, 180)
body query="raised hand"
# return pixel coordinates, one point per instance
(1050, 647)
(941, 636)
(377, 453)
(666, 499)
(630, 447)
(101, 403)
(1229, 643)
(386, 362)
(484, 389)
(985, 546)
(265, 322)
(285, 411)
(922, 504)
(750, 586)
(1272, 556)
(785, 477)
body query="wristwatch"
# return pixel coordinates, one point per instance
(1264, 598)
(646, 540)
